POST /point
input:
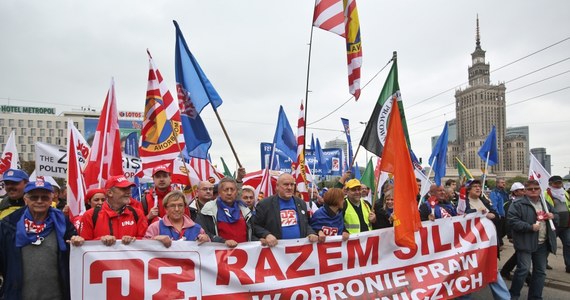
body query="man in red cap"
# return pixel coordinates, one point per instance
(152, 202)
(115, 219)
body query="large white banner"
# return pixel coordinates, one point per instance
(455, 256)
(51, 160)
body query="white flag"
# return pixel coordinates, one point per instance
(9, 159)
(537, 172)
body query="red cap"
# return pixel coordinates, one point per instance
(161, 168)
(118, 181)
(92, 192)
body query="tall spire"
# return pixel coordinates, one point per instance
(477, 36)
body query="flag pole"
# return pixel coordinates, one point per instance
(485, 172)
(100, 175)
(307, 84)
(428, 175)
(227, 136)
(354, 157)
(180, 150)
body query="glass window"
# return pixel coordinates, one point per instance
(48, 139)
(57, 124)
(20, 139)
(1, 139)
(23, 148)
(40, 139)
(20, 123)
(11, 122)
(30, 123)
(40, 123)
(51, 132)
(32, 148)
(30, 156)
(2, 122)
(4, 131)
(30, 140)
(33, 131)
(76, 124)
(23, 131)
(42, 131)
(49, 124)
(60, 132)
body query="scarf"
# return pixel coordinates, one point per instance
(30, 232)
(228, 214)
(559, 194)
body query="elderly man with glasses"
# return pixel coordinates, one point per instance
(532, 238)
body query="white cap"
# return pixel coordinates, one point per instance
(517, 186)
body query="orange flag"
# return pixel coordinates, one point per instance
(396, 160)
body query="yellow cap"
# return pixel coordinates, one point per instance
(352, 183)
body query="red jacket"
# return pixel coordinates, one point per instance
(120, 224)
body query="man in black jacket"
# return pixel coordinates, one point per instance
(282, 216)
(533, 239)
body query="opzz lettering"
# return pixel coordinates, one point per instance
(167, 273)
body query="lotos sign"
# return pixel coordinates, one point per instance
(455, 256)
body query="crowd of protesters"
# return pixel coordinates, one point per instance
(35, 230)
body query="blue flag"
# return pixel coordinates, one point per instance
(312, 142)
(194, 92)
(356, 171)
(284, 139)
(347, 132)
(490, 147)
(320, 156)
(439, 154)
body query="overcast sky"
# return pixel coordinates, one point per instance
(63, 54)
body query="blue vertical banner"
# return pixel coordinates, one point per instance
(132, 149)
(346, 127)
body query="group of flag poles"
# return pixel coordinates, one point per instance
(174, 129)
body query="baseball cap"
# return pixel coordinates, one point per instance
(118, 181)
(517, 186)
(161, 168)
(39, 184)
(352, 183)
(15, 175)
(554, 178)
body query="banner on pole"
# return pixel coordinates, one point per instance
(51, 160)
(455, 256)
(333, 159)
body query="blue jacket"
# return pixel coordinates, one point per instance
(11, 258)
(498, 199)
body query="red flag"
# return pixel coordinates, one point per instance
(396, 160)
(105, 158)
(75, 183)
(162, 135)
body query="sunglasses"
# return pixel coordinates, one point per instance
(532, 189)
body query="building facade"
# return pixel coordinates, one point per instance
(41, 124)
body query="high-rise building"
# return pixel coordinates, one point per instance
(479, 107)
(542, 157)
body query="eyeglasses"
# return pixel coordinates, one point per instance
(38, 198)
(532, 189)
(247, 197)
(207, 189)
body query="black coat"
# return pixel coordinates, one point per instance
(267, 219)
(521, 216)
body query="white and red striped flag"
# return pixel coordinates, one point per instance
(264, 189)
(75, 182)
(341, 17)
(105, 158)
(205, 170)
(162, 135)
(300, 170)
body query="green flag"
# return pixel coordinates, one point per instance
(227, 172)
(463, 172)
(377, 127)
(368, 179)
